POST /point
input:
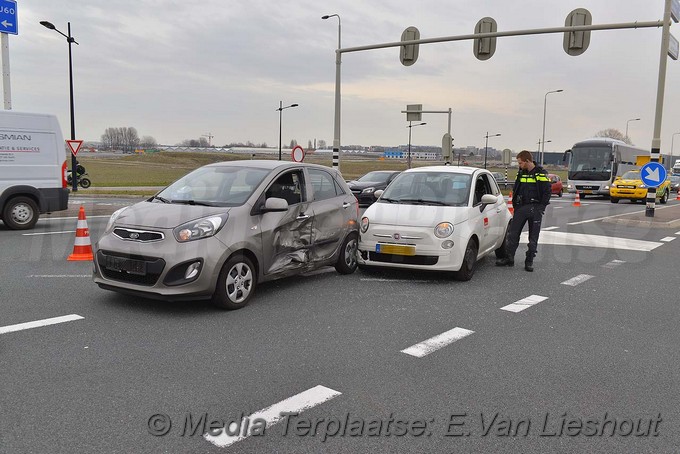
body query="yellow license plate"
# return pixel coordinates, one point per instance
(395, 249)
(587, 191)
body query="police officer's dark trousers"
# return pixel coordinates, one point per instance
(533, 214)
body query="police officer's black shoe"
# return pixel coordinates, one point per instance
(529, 265)
(505, 261)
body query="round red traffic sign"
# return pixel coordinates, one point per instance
(298, 154)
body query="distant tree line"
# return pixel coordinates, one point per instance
(126, 139)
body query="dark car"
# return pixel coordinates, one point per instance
(675, 182)
(365, 187)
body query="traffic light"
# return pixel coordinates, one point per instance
(409, 54)
(447, 146)
(575, 43)
(484, 48)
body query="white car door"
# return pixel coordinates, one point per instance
(485, 218)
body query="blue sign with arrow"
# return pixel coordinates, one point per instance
(8, 17)
(653, 174)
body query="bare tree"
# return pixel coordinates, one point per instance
(147, 142)
(293, 143)
(309, 145)
(613, 133)
(321, 144)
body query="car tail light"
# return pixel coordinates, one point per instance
(64, 180)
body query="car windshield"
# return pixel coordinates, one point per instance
(214, 186)
(428, 188)
(377, 177)
(631, 175)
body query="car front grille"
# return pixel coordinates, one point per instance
(144, 236)
(134, 269)
(404, 259)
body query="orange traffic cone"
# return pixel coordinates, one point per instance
(510, 207)
(82, 248)
(577, 200)
(678, 196)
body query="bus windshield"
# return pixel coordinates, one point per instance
(591, 163)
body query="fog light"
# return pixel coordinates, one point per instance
(448, 244)
(192, 270)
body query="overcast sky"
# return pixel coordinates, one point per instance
(176, 70)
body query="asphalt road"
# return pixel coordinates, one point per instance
(594, 348)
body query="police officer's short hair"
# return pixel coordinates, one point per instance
(525, 155)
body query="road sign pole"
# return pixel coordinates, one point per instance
(6, 90)
(660, 88)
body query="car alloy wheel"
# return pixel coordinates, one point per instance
(347, 260)
(236, 284)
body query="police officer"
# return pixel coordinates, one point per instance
(530, 197)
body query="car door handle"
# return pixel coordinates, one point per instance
(302, 217)
(346, 205)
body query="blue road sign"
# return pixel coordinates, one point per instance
(8, 17)
(653, 174)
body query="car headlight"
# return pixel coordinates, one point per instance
(613, 186)
(443, 229)
(364, 224)
(368, 191)
(607, 187)
(200, 228)
(643, 186)
(113, 218)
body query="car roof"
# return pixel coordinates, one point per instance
(450, 169)
(268, 164)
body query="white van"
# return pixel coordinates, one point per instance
(32, 168)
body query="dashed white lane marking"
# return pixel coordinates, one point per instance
(378, 279)
(677, 233)
(59, 275)
(574, 281)
(667, 239)
(557, 208)
(552, 227)
(614, 264)
(525, 303)
(39, 323)
(74, 217)
(600, 241)
(435, 343)
(48, 233)
(272, 414)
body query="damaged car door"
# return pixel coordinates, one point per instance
(286, 236)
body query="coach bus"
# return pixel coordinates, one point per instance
(595, 163)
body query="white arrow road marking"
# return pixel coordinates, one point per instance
(574, 281)
(38, 323)
(433, 344)
(524, 303)
(653, 174)
(273, 414)
(601, 241)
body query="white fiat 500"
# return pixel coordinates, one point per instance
(441, 218)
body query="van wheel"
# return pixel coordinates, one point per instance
(347, 260)
(664, 197)
(21, 213)
(467, 269)
(236, 284)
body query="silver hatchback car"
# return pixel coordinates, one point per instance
(224, 228)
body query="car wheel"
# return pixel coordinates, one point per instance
(559, 194)
(236, 284)
(347, 260)
(21, 213)
(501, 252)
(467, 269)
(664, 197)
(613, 200)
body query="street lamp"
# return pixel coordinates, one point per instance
(670, 163)
(70, 40)
(632, 119)
(486, 147)
(545, 102)
(539, 145)
(280, 109)
(336, 128)
(408, 161)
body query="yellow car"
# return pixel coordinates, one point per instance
(630, 186)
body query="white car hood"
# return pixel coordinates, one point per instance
(415, 215)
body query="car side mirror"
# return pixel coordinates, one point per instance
(275, 204)
(378, 193)
(489, 199)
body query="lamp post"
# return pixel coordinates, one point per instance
(280, 109)
(670, 160)
(408, 160)
(545, 103)
(632, 119)
(540, 142)
(336, 122)
(70, 40)
(486, 146)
